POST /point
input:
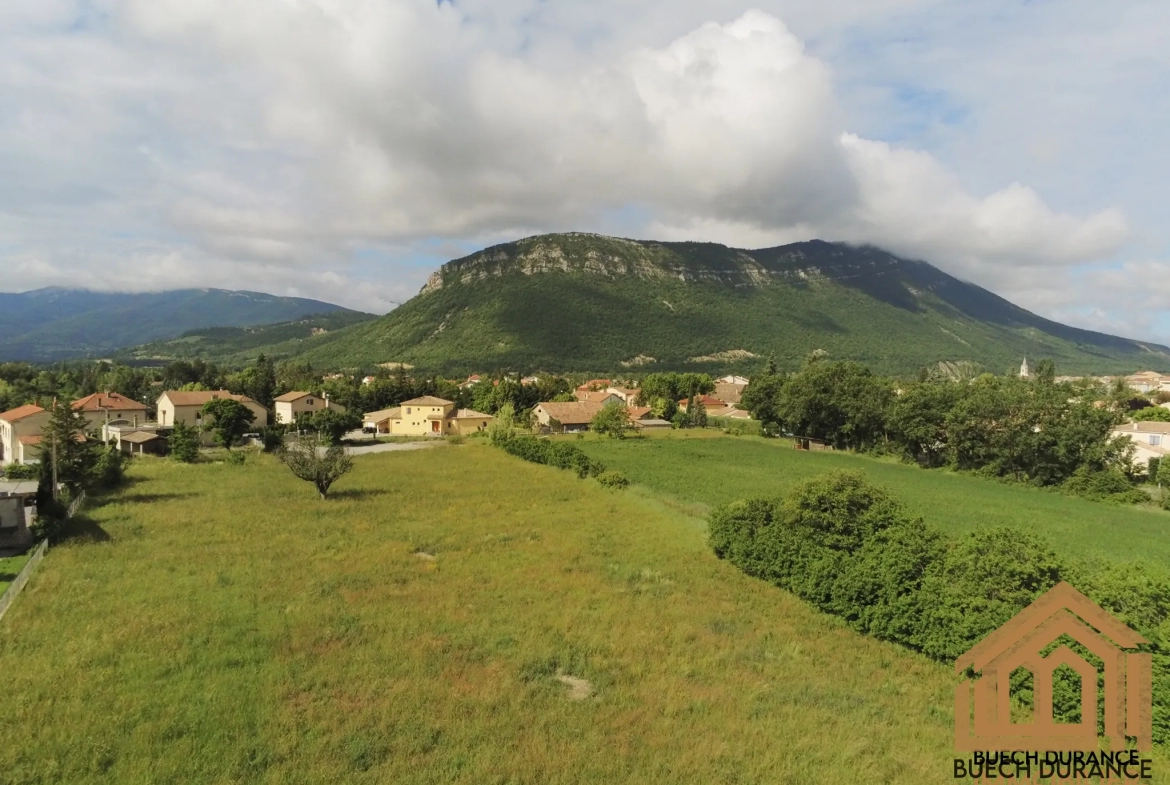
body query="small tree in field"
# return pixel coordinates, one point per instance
(229, 420)
(184, 443)
(312, 460)
(613, 419)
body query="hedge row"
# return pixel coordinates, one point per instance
(852, 550)
(562, 455)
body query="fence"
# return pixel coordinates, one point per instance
(38, 553)
(18, 584)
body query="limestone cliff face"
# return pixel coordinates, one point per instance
(614, 257)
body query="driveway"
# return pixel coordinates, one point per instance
(365, 449)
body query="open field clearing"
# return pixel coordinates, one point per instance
(454, 615)
(706, 472)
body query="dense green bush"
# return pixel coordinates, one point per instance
(109, 467)
(559, 454)
(613, 479)
(22, 471)
(1108, 485)
(234, 458)
(850, 549)
(1152, 470)
(735, 427)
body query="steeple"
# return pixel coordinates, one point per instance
(1024, 373)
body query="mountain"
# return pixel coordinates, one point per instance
(593, 303)
(235, 346)
(56, 323)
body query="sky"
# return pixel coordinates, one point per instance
(344, 149)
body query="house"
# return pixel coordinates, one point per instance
(530, 380)
(431, 416)
(807, 443)
(573, 417)
(1150, 438)
(599, 396)
(1148, 381)
(593, 385)
(379, 421)
(101, 408)
(20, 434)
(292, 405)
(627, 395)
(368, 379)
(472, 380)
(18, 510)
(729, 392)
(179, 406)
(740, 380)
(642, 417)
(709, 402)
(142, 443)
(113, 431)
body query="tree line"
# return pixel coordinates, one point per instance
(1029, 430)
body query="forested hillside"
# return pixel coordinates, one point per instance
(586, 302)
(55, 323)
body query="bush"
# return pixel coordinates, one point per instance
(234, 458)
(456, 438)
(1109, 485)
(109, 468)
(272, 438)
(184, 443)
(613, 479)
(559, 454)
(22, 471)
(1152, 470)
(736, 427)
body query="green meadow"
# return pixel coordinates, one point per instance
(454, 615)
(700, 472)
(10, 567)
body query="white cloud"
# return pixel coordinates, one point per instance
(268, 142)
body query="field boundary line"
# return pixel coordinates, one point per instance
(17, 585)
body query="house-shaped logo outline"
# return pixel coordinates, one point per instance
(1062, 610)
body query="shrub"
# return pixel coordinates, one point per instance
(184, 443)
(982, 581)
(1109, 485)
(456, 438)
(234, 459)
(613, 479)
(272, 438)
(1152, 470)
(22, 471)
(109, 468)
(559, 454)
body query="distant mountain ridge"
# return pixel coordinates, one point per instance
(58, 323)
(589, 302)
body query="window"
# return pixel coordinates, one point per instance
(1155, 440)
(408, 410)
(309, 401)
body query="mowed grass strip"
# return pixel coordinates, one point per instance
(10, 568)
(235, 629)
(711, 471)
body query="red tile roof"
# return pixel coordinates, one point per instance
(20, 412)
(592, 383)
(571, 413)
(707, 401)
(114, 402)
(427, 400)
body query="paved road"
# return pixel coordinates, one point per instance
(392, 447)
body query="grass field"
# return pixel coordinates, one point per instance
(220, 624)
(9, 569)
(704, 472)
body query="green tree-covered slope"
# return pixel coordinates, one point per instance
(56, 323)
(587, 302)
(233, 346)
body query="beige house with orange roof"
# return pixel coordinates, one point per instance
(431, 416)
(571, 417)
(20, 434)
(110, 407)
(1151, 439)
(293, 404)
(179, 406)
